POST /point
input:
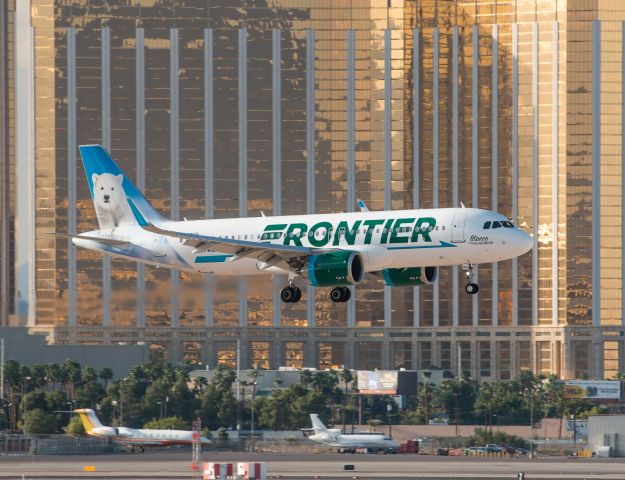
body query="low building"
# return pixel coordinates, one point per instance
(607, 430)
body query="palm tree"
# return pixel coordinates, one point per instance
(305, 377)
(106, 374)
(347, 376)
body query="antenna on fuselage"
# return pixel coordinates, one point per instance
(462, 205)
(363, 207)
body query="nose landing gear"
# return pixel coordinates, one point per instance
(471, 288)
(340, 294)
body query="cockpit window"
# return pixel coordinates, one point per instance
(507, 224)
(496, 225)
(486, 225)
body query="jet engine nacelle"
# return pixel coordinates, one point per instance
(335, 269)
(406, 277)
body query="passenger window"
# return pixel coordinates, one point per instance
(486, 225)
(496, 224)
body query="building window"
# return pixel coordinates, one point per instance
(582, 357)
(525, 356)
(445, 355)
(425, 355)
(503, 360)
(261, 352)
(484, 358)
(192, 352)
(226, 354)
(331, 354)
(294, 354)
(402, 355)
(369, 355)
(610, 359)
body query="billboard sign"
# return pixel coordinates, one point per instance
(592, 389)
(377, 382)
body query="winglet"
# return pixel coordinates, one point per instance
(363, 207)
(138, 216)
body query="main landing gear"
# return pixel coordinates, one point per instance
(340, 294)
(471, 288)
(291, 294)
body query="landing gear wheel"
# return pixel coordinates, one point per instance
(472, 288)
(287, 294)
(340, 294)
(298, 295)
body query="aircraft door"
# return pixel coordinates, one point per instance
(457, 228)
(158, 245)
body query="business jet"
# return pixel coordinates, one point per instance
(135, 438)
(404, 248)
(349, 443)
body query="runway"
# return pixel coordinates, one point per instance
(165, 465)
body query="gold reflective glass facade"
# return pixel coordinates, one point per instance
(427, 103)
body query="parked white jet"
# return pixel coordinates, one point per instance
(403, 247)
(349, 443)
(137, 438)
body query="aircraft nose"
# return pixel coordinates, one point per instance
(524, 241)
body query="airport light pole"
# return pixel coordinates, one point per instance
(160, 407)
(389, 409)
(254, 383)
(121, 401)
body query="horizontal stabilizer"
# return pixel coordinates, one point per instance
(107, 241)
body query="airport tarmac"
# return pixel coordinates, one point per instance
(164, 465)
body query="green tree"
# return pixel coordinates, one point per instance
(75, 426)
(106, 374)
(169, 423)
(38, 421)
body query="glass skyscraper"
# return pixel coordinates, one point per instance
(236, 108)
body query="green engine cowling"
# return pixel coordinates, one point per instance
(410, 277)
(335, 269)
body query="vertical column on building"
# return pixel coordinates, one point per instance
(174, 159)
(495, 162)
(515, 165)
(276, 136)
(71, 172)
(351, 151)
(435, 162)
(25, 168)
(596, 173)
(140, 153)
(454, 173)
(554, 184)
(208, 161)
(475, 148)
(388, 152)
(4, 172)
(310, 152)
(535, 173)
(416, 152)
(106, 143)
(622, 354)
(242, 64)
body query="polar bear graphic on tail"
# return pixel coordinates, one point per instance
(110, 201)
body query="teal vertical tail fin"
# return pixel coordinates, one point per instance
(112, 191)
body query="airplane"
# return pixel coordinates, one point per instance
(135, 438)
(404, 248)
(349, 443)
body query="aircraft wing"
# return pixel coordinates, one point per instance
(268, 253)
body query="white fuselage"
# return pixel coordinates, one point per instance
(146, 437)
(354, 441)
(385, 239)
